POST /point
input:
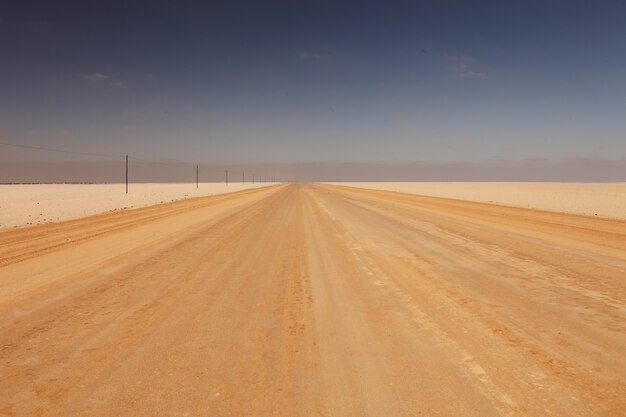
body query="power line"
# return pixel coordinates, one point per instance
(132, 158)
(61, 150)
(145, 161)
(128, 157)
(175, 164)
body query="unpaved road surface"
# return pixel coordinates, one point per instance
(315, 300)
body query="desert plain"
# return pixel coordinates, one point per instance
(32, 204)
(318, 300)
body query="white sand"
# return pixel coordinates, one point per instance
(593, 199)
(30, 204)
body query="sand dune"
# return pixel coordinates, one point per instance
(30, 204)
(592, 199)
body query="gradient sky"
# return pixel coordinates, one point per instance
(317, 82)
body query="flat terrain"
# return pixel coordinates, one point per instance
(32, 204)
(315, 300)
(606, 199)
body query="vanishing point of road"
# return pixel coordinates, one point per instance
(315, 300)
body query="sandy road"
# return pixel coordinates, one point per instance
(315, 300)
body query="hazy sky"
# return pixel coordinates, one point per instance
(299, 82)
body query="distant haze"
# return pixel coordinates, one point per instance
(519, 170)
(455, 90)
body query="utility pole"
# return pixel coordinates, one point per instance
(243, 177)
(196, 176)
(126, 174)
(226, 177)
(252, 178)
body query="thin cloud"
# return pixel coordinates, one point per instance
(116, 84)
(314, 56)
(464, 66)
(460, 58)
(472, 74)
(134, 127)
(97, 76)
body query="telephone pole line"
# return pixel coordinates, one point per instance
(126, 174)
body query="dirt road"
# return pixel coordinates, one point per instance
(315, 300)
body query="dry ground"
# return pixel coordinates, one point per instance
(315, 300)
(32, 204)
(603, 199)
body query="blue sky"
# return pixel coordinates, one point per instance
(280, 82)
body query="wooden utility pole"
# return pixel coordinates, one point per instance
(226, 177)
(197, 176)
(126, 174)
(243, 177)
